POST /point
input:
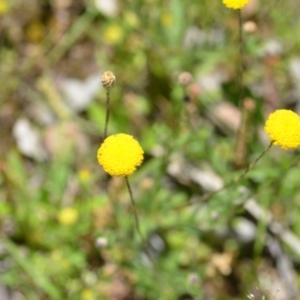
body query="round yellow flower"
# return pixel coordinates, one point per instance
(68, 216)
(120, 155)
(84, 175)
(283, 127)
(113, 34)
(235, 4)
(3, 7)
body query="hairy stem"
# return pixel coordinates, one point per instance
(107, 112)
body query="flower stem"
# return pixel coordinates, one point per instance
(137, 223)
(107, 112)
(241, 59)
(241, 136)
(251, 166)
(209, 195)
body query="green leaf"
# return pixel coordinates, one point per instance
(39, 279)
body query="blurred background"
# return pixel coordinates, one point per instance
(67, 230)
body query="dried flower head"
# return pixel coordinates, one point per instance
(250, 27)
(120, 155)
(235, 4)
(108, 79)
(185, 78)
(283, 127)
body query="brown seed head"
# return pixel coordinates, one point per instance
(108, 79)
(249, 104)
(250, 27)
(185, 78)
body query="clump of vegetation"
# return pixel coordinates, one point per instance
(199, 97)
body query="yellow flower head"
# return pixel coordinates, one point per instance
(67, 216)
(87, 294)
(235, 4)
(120, 155)
(166, 19)
(84, 175)
(283, 127)
(3, 7)
(113, 34)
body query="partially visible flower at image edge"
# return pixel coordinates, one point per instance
(283, 127)
(120, 155)
(235, 4)
(4, 8)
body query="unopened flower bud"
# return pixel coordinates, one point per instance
(108, 79)
(185, 78)
(250, 27)
(101, 242)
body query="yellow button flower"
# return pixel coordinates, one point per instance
(113, 34)
(87, 294)
(235, 4)
(120, 155)
(84, 175)
(3, 7)
(283, 127)
(67, 216)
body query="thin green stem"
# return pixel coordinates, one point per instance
(251, 166)
(107, 112)
(209, 195)
(137, 223)
(136, 217)
(241, 59)
(241, 142)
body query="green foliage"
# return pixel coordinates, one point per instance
(67, 229)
